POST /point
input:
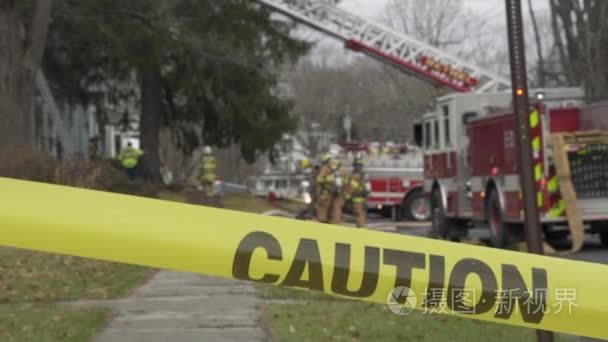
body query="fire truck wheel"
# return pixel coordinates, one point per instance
(439, 223)
(415, 207)
(499, 231)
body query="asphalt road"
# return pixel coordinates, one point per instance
(592, 252)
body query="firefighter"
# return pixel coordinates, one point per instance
(355, 192)
(208, 169)
(328, 185)
(310, 172)
(129, 157)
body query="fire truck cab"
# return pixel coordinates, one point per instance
(471, 166)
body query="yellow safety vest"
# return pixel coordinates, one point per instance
(130, 156)
(209, 166)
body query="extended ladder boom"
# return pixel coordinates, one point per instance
(390, 46)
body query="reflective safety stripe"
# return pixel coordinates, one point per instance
(536, 144)
(129, 162)
(534, 119)
(540, 199)
(359, 199)
(538, 172)
(209, 177)
(553, 185)
(558, 209)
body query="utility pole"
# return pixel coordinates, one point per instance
(521, 106)
(348, 125)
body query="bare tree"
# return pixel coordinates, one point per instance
(446, 24)
(382, 103)
(580, 31)
(450, 26)
(539, 47)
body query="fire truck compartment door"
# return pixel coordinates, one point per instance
(394, 185)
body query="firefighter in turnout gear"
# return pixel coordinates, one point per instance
(354, 191)
(329, 185)
(208, 175)
(308, 189)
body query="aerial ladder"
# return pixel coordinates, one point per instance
(390, 46)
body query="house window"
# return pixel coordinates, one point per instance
(436, 135)
(427, 135)
(446, 125)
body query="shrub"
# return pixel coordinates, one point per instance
(98, 175)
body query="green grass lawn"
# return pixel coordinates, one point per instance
(275, 292)
(321, 317)
(44, 322)
(240, 202)
(292, 206)
(357, 321)
(32, 284)
(27, 276)
(247, 203)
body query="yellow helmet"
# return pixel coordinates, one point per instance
(304, 164)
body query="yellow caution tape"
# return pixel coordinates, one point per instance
(499, 286)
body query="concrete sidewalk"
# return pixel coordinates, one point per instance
(182, 307)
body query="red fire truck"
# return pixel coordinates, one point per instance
(471, 165)
(456, 135)
(396, 177)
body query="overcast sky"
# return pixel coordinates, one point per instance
(375, 10)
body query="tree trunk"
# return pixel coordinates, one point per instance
(20, 57)
(15, 88)
(150, 122)
(580, 32)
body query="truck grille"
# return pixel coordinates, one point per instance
(589, 167)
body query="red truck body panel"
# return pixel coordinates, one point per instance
(565, 120)
(493, 156)
(391, 178)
